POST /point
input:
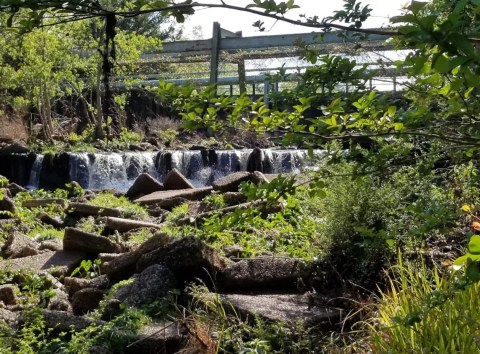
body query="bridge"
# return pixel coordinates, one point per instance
(239, 64)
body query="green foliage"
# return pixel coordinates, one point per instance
(250, 335)
(88, 269)
(425, 311)
(130, 209)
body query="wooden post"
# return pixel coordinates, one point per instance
(242, 76)
(215, 56)
(266, 92)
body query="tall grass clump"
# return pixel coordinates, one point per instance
(426, 311)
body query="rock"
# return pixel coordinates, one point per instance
(15, 147)
(112, 309)
(143, 185)
(258, 177)
(9, 317)
(15, 189)
(287, 308)
(231, 182)
(64, 321)
(189, 194)
(174, 180)
(85, 209)
(18, 246)
(60, 302)
(259, 204)
(51, 245)
(135, 147)
(124, 225)
(263, 273)
(171, 203)
(124, 266)
(8, 294)
(59, 262)
(107, 257)
(234, 198)
(163, 337)
(47, 219)
(78, 240)
(86, 300)
(76, 284)
(187, 258)
(233, 251)
(152, 284)
(255, 161)
(35, 203)
(121, 267)
(7, 205)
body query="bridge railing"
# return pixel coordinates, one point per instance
(236, 52)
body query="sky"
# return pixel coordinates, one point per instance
(240, 21)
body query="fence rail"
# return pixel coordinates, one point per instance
(224, 43)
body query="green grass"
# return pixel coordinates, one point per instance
(108, 200)
(424, 311)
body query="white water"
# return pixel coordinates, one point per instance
(34, 178)
(119, 170)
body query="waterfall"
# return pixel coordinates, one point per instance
(111, 170)
(34, 178)
(119, 170)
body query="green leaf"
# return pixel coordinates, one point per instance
(417, 6)
(441, 64)
(473, 271)
(474, 245)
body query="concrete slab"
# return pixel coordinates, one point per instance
(288, 308)
(63, 262)
(189, 194)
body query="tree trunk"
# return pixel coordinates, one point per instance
(108, 62)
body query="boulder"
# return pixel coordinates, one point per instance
(15, 147)
(60, 302)
(60, 262)
(9, 317)
(169, 204)
(18, 246)
(51, 245)
(76, 284)
(78, 240)
(8, 294)
(175, 180)
(15, 189)
(234, 198)
(231, 182)
(124, 266)
(49, 220)
(143, 185)
(287, 308)
(189, 194)
(124, 225)
(187, 258)
(86, 300)
(36, 203)
(64, 321)
(152, 284)
(6, 205)
(85, 209)
(121, 267)
(264, 273)
(159, 337)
